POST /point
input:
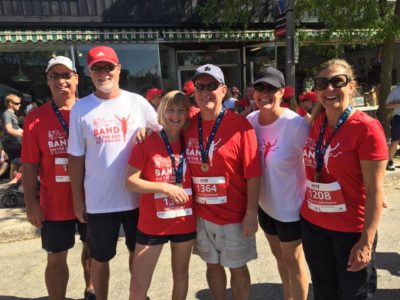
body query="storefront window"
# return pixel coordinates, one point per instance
(140, 67)
(23, 71)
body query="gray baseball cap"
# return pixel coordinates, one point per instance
(270, 76)
(211, 70)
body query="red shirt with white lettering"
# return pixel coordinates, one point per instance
(359, 138)
(233, 156)
(152, 158)
(45, 143)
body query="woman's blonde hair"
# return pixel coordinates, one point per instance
(11, 98)
(326, 65)
(172, 98)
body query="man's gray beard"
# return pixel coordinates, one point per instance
(105, 90)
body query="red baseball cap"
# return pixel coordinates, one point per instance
(102, 53)
(188, 88)
(151, 93)
(310, 96)
(289, 92)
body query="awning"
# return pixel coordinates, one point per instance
(131, 35)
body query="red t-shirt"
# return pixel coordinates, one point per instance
(300, 110)
(45, 142)
(359, 138)
(233, 158)
(151, 157)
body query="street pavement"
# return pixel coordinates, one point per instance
(22, 261)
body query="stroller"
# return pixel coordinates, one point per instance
(14, 193)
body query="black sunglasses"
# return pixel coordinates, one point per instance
(209, 87)
(56, 76)
(266, 88)
(107, 68)
(16, 103)
(337, 81)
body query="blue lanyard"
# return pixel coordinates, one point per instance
(59, 116)
(178, 171)
(204, 152)
(319, 153)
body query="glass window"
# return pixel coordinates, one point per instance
(198, 58)
(140, 67)
(23, 71)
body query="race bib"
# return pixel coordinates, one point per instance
(325, 197)
(167, 209)
(210, 190)
(61, 169)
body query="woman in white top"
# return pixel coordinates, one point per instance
(281, 135)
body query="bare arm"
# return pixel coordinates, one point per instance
(250, 225)
(392, 105)
(135, 184)
(373, 174)
(76, 170)
(14, 132)
(34, 212)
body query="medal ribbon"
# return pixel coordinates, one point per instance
(60, 117)
(319, 153)
(204, 152)
(178, 171)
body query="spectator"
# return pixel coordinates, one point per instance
(393, 102)
(154, 96)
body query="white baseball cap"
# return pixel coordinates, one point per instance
(61, 60)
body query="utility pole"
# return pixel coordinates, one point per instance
(290, 35)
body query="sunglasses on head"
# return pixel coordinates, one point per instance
(56, 76)
(209, 87)
(16, 103)
(337, 81)
(107, 68)
(266, 88)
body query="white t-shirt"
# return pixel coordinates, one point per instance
(281, 147)
(230, 103)
(104, 131)
(394, 96)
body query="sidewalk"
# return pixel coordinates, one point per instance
(15, 227)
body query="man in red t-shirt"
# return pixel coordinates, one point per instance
(44, 154)
(221, 148)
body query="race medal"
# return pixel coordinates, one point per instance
(204, 167)
(177, 170)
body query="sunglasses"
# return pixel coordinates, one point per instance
(338, 81)
(107, 68)
(56, 76)
(266, 88)
(209, 87)
(16, 103)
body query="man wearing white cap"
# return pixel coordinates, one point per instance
(44, 154)
(225, 164)
(103, 126)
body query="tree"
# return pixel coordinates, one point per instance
(372, 22)
(369, 21)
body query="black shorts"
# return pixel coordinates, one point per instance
(58, 236)
(286, 231)
(395, 128)
(103, 233)
(148, 239)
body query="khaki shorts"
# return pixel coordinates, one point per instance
(224, 244)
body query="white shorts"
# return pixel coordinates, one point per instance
(224, 244)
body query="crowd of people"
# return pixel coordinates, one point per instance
(208, 170)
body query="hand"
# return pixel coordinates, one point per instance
(34, 214)
(249, 224)
(176, 193)
(360, 255)
(141, 135)
(80, 210)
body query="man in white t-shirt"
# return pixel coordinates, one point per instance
(102, 128)
(393, 102)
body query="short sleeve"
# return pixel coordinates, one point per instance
(76, 142)
(301, 134)
(6, 118)
(373, 144)
(137, 158)
(30, 152)
(251, 159)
